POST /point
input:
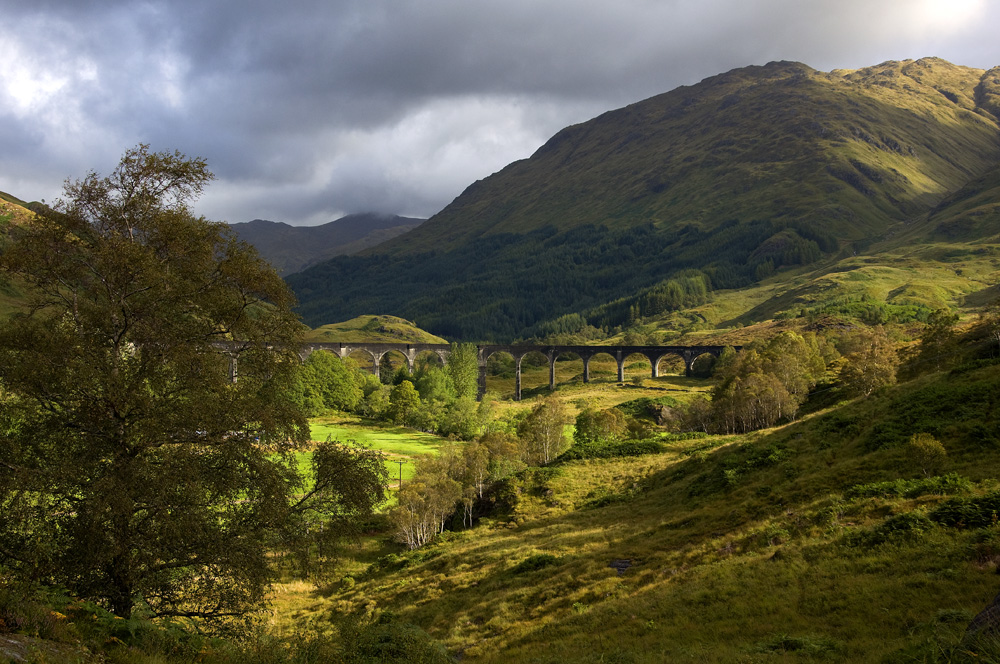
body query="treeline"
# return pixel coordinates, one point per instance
(688, 289)
(482, 477)
(768, 381)
(504, 285)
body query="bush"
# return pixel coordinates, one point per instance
(896, 528)
(646, 406)
(626, 448)
(946, 484)
(535, 562)
(388, 641)
(979, 512)
(926, 451)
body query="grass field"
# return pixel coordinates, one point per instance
(398, 443)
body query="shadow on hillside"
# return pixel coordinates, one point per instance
(983, 297)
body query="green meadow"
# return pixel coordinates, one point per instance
(398, 443)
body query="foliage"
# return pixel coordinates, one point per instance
(973, 512)
(463, 367)
(646, 407)
(761, 385)
(938, 342)
(543, 431)
(534, 562)
(990, 321)
(900, 488)
(327, 383)
(871, 361)
(387, 641)
(425, 504)
(609, 450)
(134, 470)
(404, 403)
(457, 482)
(870, 311)
(349, 486)
(894, 529)
(604, 426)
(927, 452)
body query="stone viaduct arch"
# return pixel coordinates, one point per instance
(376, 350)
(619, 353)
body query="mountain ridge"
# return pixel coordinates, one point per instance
(679, 120)
(293, 248)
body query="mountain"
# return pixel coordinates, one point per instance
(712, 186)
(293, 248)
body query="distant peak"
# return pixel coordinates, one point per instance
(260, 223)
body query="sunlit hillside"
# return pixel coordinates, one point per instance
(757, 170)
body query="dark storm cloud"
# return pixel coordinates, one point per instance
(307, 110)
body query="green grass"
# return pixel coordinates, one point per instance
(391, 439)
(398, 443)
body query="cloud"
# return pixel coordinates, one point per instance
(310, 109)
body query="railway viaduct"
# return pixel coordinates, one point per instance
(619, 353)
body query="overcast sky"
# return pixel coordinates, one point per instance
(309, 110)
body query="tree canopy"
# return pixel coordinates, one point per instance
(134, 470)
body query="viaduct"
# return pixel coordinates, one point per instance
(410, 351)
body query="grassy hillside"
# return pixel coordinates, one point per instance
(757, 170)
(373, 328)
(822, 540)
(848, 150)
(15, 211)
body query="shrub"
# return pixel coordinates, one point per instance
(535, 562)
(926, 451)
(896, 528)
(626, 448)
(646, 406)
(388, 641)
(945, 484)
(978, 512)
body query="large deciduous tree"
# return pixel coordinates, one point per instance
(133, 469)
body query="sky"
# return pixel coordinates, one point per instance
(307, 110)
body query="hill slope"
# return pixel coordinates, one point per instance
(387, 329)
(293, 248)
(827, 539)
(745, 172)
